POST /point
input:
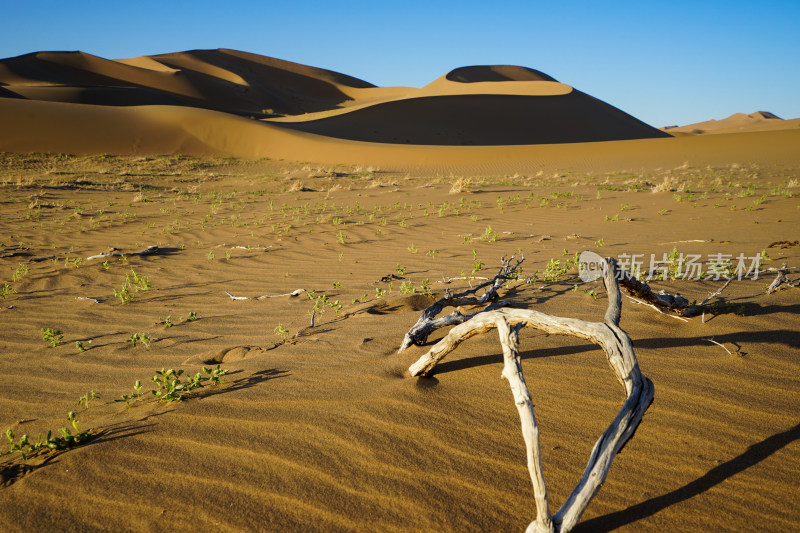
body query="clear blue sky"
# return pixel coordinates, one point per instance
(667, 62)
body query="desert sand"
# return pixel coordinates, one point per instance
(259, 177)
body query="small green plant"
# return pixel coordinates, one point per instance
(192, 316)
(137, 338)
(139, 282)
(52, 336)
(124, 294)
(599, 243)
(20, 272)
(282, 332)
(137, 395)
(166, 322)
(134, 282)
(554, 270)
(86, 398)
(67, 439)
(337, 285)
(432, 253)
(341, 238)
(169, 385)
(6, 289)
(400, 269)
(170, 388)
(412, 248)
(379, 293)
(81, 346)
(106, 265)
(425, 287)
(407, 287)
(489, 235)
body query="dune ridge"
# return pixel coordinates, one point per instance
(738, 122)
(481, 105)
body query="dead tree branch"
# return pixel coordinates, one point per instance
(622, 359)
(427, 323)
(264, 296)
(151, 250)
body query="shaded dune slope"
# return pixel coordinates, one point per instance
(226, 80)
(484, 120)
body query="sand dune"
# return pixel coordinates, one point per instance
(738, 122)
(147, 130)
(228, 80)
(478, 105)
(483, 120)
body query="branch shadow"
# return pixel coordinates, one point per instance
(472, 362)
(245, 383)
(785, 336)
(752, 456)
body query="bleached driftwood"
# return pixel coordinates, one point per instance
(240, 247)
(113, 252)
(712, 341)
(427, 323)
(781, 278)
(622, 359)
(263, 296)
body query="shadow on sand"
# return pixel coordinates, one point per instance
(752, 456)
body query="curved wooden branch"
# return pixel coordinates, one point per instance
(427, 323)
(622, 359)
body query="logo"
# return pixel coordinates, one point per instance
(591, 266)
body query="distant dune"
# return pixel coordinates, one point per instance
(485, 105)
(738, 122)
(226, 80)
(472, 120)
(477, 105)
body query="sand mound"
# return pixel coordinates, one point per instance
(481, 73)
(738, 122)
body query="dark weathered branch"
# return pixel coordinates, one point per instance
(782, 278)
(427, 322)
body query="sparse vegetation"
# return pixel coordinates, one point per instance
(139, 338)
(54, 337)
